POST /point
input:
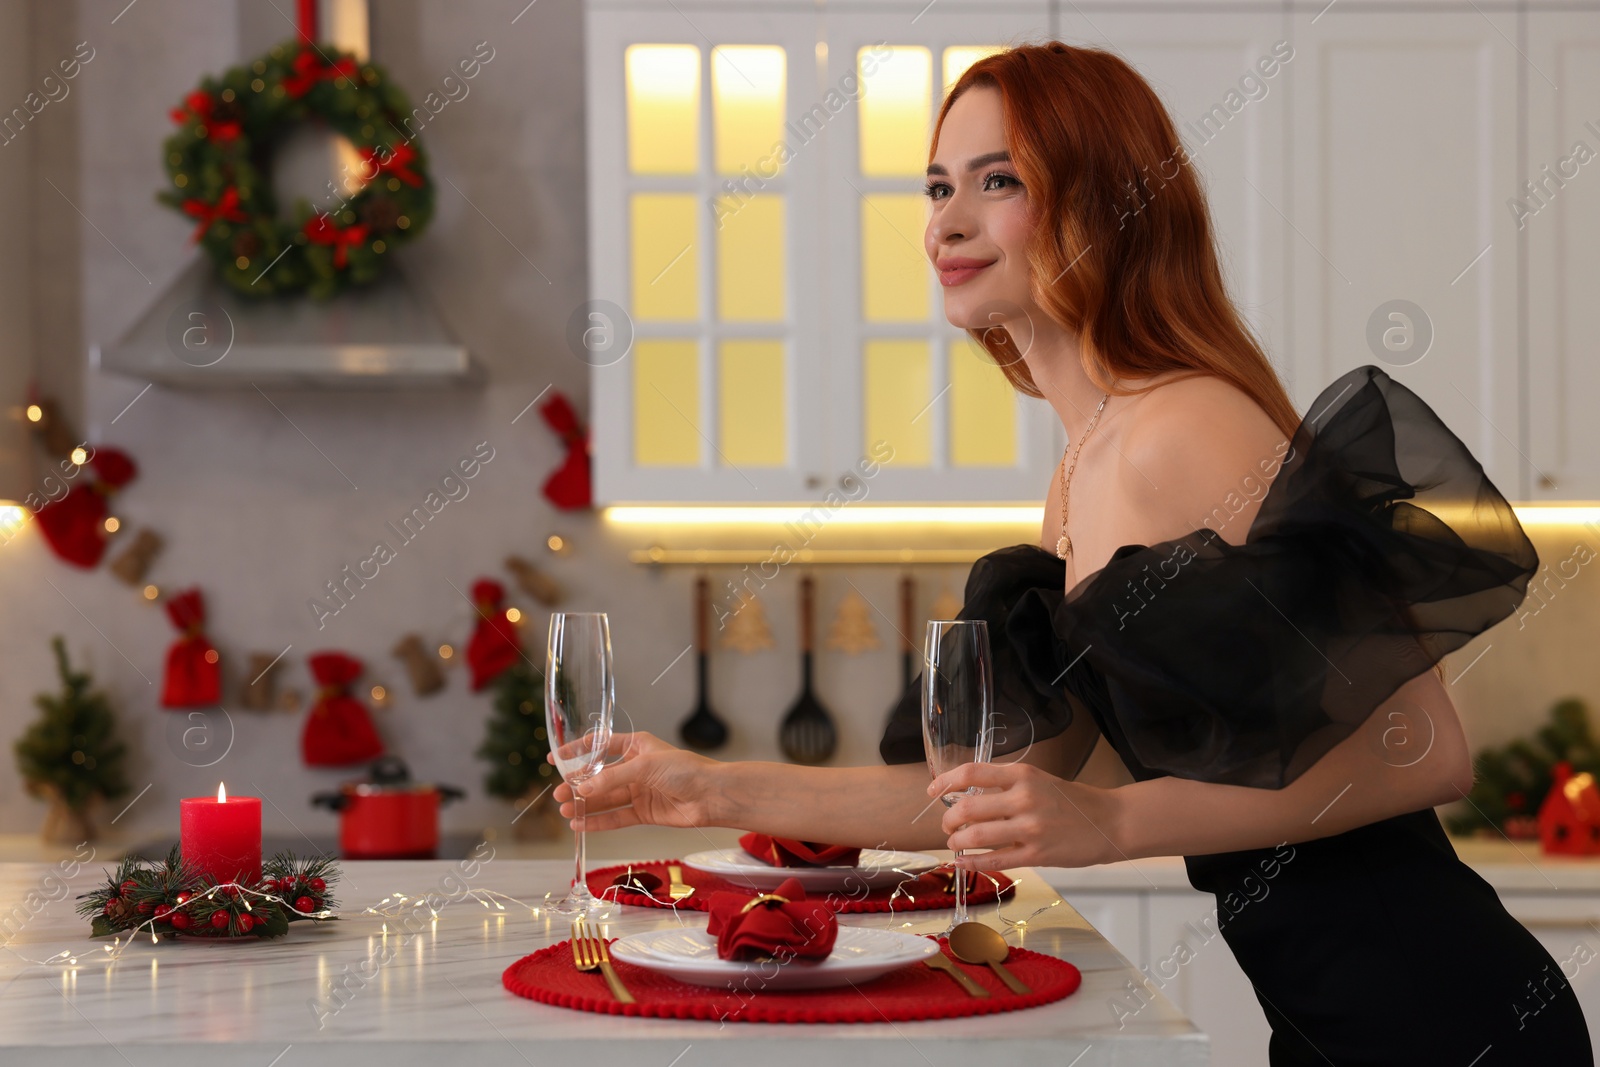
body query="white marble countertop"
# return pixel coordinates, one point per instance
(433, 996)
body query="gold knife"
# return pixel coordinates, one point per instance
(940, 962)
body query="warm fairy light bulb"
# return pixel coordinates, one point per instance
(555, 542)
(211, 655)
(35, 413)
(151, 592)
(113, 524)
(513, 615)
(222, 793)
(445, 651)
(79, 456)
(379, 692)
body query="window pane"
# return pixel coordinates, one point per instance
(747, 108)
(752, 403)
(958, 59)
(897, 389)
(666, 265)
(666, 403)
(983, 409)
(750, 258)
(896, 109)
(894, 267)
(663, 108)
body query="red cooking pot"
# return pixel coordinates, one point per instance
(388, 816)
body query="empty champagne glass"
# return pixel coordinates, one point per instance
(957, 712)
(578, 699)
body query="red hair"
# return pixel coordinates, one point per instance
(1117, 203)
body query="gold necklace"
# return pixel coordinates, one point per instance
(1064, 543)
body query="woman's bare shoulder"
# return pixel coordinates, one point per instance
(1198, 446)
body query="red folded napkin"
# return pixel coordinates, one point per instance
(783, 924)
(790, 852)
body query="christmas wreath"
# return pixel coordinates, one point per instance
(219, 164)
(175, 898)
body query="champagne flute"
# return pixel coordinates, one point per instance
(578, 699)
(957, 712)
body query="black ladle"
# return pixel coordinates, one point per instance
(702, 730)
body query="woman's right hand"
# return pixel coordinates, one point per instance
(652, 783)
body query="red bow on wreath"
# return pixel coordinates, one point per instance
(74, 526)
(226, 209)
(396, 161)
(338, 730)
(320, 231)
(199, 105)
(495, 644)
(310, 68)
(568, 487)
(194, 679)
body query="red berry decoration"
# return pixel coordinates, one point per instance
(219, 919)
(181, 921)
(163, 912)
(230, 890)
(182, 898)
(245, 923)
(129, 886)
(305, 904)
(318, 885)
(147, 907)
(110, 906)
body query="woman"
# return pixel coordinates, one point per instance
(1244, 604)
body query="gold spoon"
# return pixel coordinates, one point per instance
(976, 943)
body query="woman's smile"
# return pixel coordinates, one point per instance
(953, 270)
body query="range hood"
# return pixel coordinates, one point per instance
(386, 335)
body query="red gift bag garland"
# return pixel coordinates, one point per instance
(494, 645)
(75, 526)
(338, 731)
(194, 675)
(569, 486)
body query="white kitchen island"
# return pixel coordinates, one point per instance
(365, 991)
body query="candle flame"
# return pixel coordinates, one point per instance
(222, 793)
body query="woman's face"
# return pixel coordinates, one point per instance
(979, 225)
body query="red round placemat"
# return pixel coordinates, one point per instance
(923, 893)
(913, 992)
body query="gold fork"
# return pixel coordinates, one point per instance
(676, 889)
(589, 953)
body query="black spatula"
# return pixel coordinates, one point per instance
(702, 730)
(807, 734)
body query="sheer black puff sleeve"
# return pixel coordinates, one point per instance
(1024, 711)
(1380, 547)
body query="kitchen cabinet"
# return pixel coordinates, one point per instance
(1370, 199)
(1403, 141)
(1167, 930)
(1556, 208)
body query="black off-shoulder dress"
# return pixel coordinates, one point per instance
(1380, 546)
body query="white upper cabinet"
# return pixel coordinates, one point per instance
(1404, 147)
(767, 320)
(1556, 211)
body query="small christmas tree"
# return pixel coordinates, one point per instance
(852, 631)
(71, 755)
(516, 743)
(1512, 782)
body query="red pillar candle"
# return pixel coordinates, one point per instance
(221, 836)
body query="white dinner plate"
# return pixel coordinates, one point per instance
(877, 867)
(689, 954)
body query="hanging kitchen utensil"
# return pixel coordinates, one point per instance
(702, 730)
(807, 734)
(908, 645)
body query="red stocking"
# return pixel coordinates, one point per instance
(75, 525)
(338, 730)
(495, 644)
(194, 678)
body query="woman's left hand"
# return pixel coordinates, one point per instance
(1027, 817)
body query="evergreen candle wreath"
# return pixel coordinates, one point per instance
(219, 166)
(174, 897)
